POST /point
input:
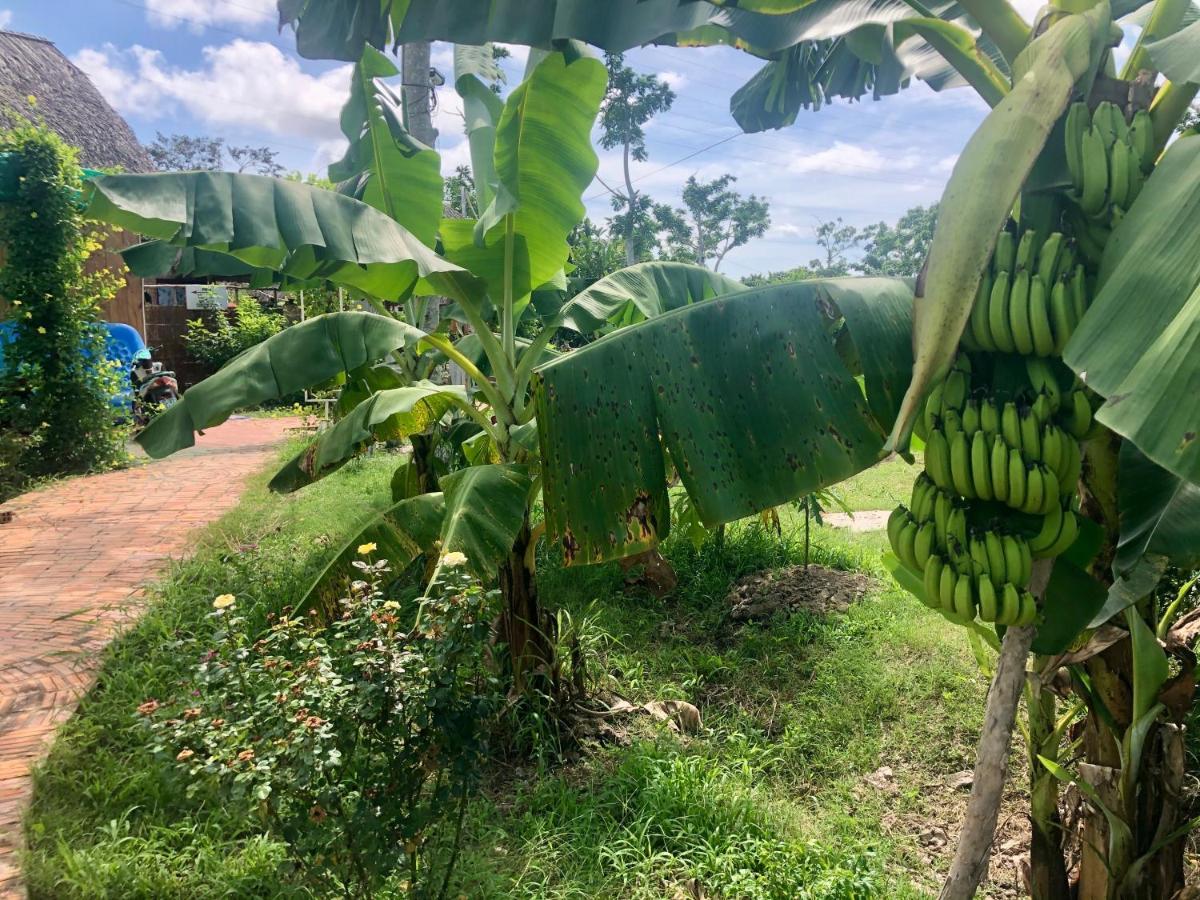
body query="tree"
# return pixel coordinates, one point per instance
(181, 152)
(835, 238)
(629, 103)
(718, 220)
(900, 249)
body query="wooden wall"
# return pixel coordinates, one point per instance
(127, 305)
(165, 328)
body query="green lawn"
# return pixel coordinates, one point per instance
(768, 800)
(880, 487)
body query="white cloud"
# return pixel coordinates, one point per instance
(196, 14)
(849, 159)
(6, 17)
(677, 81)
(243, 83)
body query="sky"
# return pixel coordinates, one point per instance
(222, 68)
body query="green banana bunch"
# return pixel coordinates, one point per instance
(1059, 529)
(983, 188)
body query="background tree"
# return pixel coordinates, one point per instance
(836, 239)
(784, 276)
(183, 152)
(718, 220)
(901, 249)
(630, 102)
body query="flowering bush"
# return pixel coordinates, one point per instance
(360, 741)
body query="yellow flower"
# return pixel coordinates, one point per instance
(224, 601)
(364, 549)
(41, 329)
(454, 558)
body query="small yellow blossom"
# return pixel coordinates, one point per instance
(224, 601)
(454, 558)
(41, 329)
(364, 549)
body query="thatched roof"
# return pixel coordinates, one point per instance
(67, 102)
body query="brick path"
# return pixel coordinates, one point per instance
(73, 560)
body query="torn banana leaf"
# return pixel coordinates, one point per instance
(755, 396)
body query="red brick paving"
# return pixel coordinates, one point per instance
(73, 560)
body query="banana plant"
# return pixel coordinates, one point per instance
(366, 237)
(761, 396)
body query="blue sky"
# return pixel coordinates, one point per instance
(221, 67)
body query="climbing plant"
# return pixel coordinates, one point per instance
(55, 386)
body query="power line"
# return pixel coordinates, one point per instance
(681, 159)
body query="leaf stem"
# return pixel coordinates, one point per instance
(1001, 23)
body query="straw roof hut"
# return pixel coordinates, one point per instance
(67, 102)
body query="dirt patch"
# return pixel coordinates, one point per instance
(929, 832)
(816, 590)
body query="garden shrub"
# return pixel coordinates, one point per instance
(360, 741)
(215, 345)
(55, 385)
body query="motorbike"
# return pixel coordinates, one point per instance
(154, 388)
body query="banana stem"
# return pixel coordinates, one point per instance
(499, 407)
(1170, 105)
(1164, 20)
(1001, 23)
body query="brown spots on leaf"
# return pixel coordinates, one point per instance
(639, 514)
(570, 546)
(308, 461)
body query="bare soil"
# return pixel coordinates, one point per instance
(817, 590)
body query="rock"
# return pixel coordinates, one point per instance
(681, 715)
(882, 779)
(963, 779)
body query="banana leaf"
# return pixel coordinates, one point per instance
(299, 231)
(400, 532)
(1144, 356)
(751, 394)
(641, 292)
(296, 358)
(803, 39)
(485, 510)
(544, 161)
(482, 108)
(385, 166)
(388, 414)
(1160, 514)
(1178, 56)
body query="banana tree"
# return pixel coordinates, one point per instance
(747, 426)
(373, 236)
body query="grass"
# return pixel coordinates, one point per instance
(881, 487)
(767, 800)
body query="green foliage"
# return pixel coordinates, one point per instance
(358, 740)
(898, 250)
(631, 101)
(719, 219)
(216, 344)
(56, 385)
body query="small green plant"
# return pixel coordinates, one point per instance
(215, 345)
(359, 741)
(55, 385)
